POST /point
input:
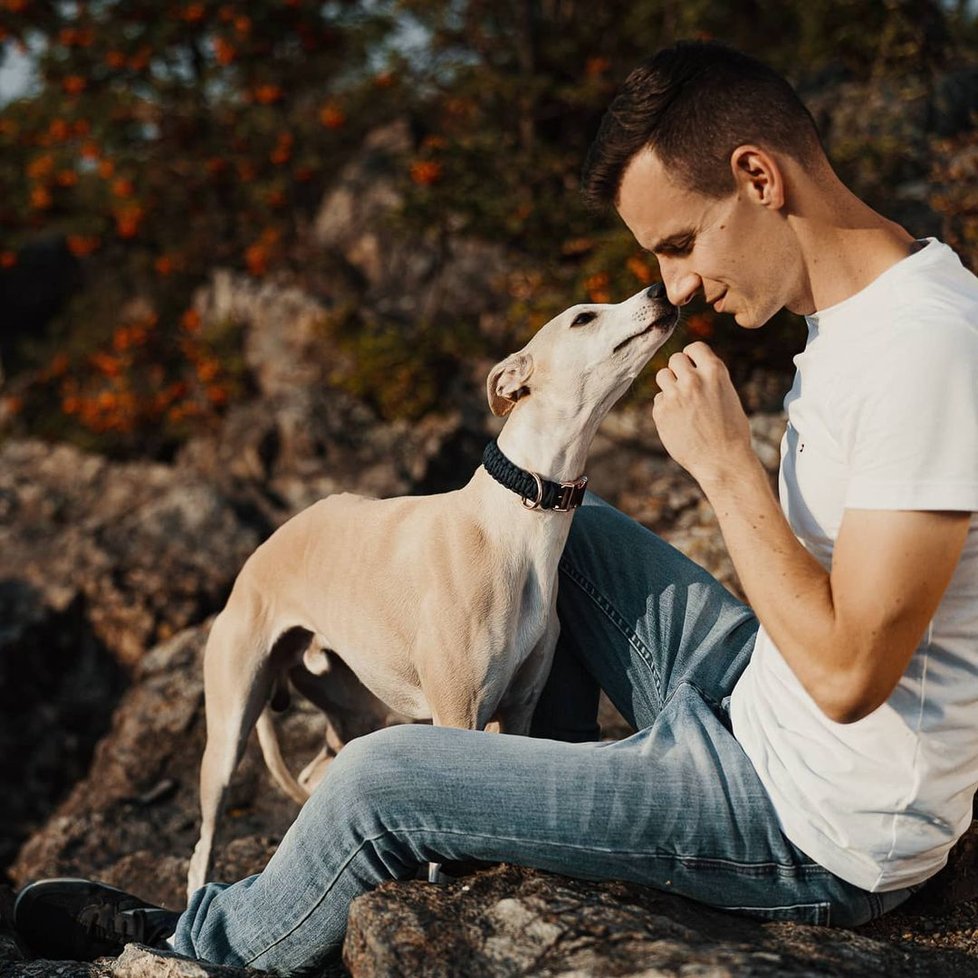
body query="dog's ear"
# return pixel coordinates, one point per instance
(507, 382)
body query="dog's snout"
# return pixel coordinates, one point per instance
(656, 291)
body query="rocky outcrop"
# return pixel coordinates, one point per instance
(101, 561)
(509, 922)
(299, 439)
(143, 550)
(98, 562)
(414, 277)
(133, 820)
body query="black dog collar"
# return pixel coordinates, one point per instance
(535, 492)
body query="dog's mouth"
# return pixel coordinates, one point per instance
(666, 321)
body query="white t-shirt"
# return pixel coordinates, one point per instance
(883, 414)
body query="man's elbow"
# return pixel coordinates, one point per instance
(850, 701)
(848, 711)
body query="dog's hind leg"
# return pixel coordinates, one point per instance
(288, 648)
(237, 684)
(281, 775)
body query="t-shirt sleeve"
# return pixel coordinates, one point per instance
(914, 433)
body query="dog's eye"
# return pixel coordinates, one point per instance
(583, 318)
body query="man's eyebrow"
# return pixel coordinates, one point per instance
(677, 241)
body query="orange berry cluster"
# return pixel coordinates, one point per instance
(127, 386)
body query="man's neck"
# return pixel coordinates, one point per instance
(848, 246)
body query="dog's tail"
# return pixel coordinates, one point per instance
(274, 761)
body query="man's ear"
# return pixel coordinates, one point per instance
(507, 382)
(758, 173)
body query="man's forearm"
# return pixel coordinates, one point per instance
(788, 589)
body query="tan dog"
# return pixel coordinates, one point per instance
(444, 606)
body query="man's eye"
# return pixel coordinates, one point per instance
(678, 250)
(583, 318)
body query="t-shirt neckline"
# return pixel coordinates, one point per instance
(822, 317)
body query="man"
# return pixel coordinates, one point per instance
(809, 757)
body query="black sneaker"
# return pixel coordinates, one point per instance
(81, 920)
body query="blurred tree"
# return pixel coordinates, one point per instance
(954, 180)
(171, 136)
(168, 137)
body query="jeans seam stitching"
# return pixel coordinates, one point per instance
(339, 872)
(617, 619)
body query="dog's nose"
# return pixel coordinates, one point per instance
(656, 291)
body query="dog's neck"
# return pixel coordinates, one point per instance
(535, 491)
(554, 449)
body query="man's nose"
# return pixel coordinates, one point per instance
(680, 286)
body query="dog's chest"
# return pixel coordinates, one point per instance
(538, 593)
(534, 602)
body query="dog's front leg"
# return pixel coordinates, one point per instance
(515, 711)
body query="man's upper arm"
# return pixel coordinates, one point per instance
(890, 569)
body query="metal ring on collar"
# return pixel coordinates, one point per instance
(536, 502)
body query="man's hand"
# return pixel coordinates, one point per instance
(699, 416)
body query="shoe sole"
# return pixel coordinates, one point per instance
(58, 879)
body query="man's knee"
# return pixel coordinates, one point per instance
(377, 763)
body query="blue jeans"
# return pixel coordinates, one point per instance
(677, 805)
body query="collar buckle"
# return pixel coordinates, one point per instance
(571, 495)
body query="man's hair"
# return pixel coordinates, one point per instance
(693, 104)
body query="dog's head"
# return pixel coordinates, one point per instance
(589, 354)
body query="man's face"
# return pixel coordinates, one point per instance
(726, 248)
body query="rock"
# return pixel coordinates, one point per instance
(143, 549)
(137, 961)
(104, 532)
(277, 456)
(133, 821)
(406, 277)
(58, 688)
(509, 921)
(53, 969)
(300, 439)
(766, 431)
(352, 215)
(283, 334)
(98, 561)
